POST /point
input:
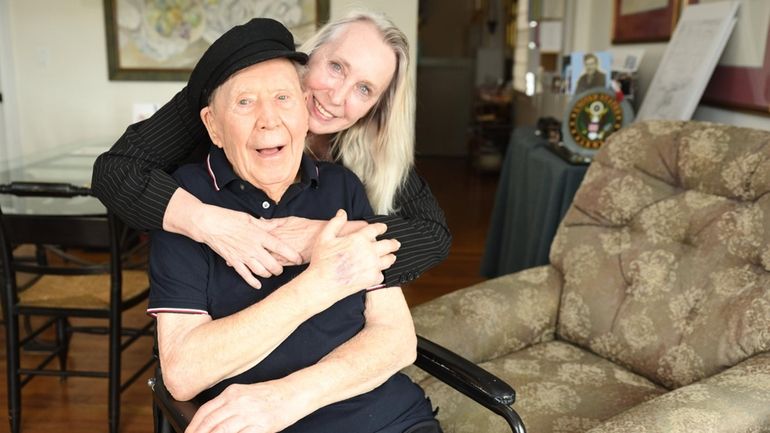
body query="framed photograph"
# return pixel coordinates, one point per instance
(589, 70)
(741, 79)
(155, 40)
(644, 20)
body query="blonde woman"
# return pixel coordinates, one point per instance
(360, 100)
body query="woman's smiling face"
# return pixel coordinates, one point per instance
(346, 76)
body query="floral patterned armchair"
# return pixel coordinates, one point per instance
(654, 315)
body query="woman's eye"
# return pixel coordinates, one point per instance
(364, 90)
(244, 101)
(335, 67)
(283, 97)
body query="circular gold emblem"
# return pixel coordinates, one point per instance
(593, 118)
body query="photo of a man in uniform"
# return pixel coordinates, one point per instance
(592, 76)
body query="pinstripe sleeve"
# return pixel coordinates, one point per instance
(132, 179)
(419, 224)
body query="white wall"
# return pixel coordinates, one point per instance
(59, 62)
(403, 13)
(593, 31)
(9, 130)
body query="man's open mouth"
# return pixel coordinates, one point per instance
(269, 151)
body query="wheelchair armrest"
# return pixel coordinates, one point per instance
(177, 413)
(468, 378)
(461, 374)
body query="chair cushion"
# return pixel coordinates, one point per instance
(81, 291)
(735, 400)
(665, 251)
(494, 317)
(559, 388)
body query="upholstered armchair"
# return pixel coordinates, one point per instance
(654, 314)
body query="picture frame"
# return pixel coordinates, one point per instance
(746, 86)
(644, 20)
(688, 61)
(579, 80)
(148, 41)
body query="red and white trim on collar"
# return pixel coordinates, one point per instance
(154, 311)
(377, 287)
(211, 172)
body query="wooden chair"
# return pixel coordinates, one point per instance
(68, 287)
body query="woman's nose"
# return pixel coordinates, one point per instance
(339, 93)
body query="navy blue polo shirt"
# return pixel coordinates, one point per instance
(189, 277)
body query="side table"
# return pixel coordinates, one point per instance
(535, 190)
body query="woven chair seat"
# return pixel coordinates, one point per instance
(81, 291)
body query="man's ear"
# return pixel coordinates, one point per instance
(207, 116)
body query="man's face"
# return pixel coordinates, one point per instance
(258, 117)
(590, 65)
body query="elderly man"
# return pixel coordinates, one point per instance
(311, 351)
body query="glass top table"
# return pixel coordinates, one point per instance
(70, 165)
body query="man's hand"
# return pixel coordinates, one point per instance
(258, 408)
(348, 263)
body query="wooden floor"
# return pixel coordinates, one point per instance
(78, 405)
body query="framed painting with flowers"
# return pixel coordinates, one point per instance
(162, 39)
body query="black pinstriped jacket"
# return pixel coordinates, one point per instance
(132, 179)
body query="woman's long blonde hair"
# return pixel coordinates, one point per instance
(379, 148)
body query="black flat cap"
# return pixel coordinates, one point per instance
(247, 44)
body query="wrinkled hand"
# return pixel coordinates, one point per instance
(301, 234)
(257, 408)
(349, 263)
(246, 243)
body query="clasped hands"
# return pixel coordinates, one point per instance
(260, 247)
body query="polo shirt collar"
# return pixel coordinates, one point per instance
(221, 171)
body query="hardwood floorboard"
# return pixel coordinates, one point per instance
(467, 197)
(78, 405)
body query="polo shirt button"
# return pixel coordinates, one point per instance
(242, 187)
(265, 204)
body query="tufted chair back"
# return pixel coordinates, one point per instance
(665, 252)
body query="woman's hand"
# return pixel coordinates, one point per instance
(242, 240)
(301, 234)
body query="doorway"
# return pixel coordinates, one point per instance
(462, 46)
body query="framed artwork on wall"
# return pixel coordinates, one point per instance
(741, 79)
(155, 40)
(644, 20)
